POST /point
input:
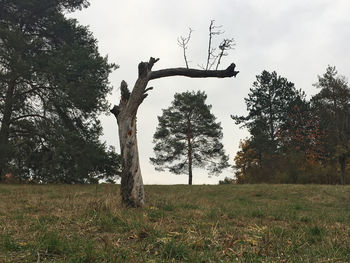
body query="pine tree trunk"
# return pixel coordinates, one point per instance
(5, 128)
(190, 165)
(189, 152)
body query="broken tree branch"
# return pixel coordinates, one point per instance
(125, 93)
(194, 73)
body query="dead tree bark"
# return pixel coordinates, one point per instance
(132, 190)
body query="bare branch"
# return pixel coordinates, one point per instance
(213, 30)
(150, 88)
(214, 58)
(145, 94)
(226, 44)
(183, 42)
(143, 97)
(194, 73)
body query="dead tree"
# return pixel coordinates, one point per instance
(132, 190)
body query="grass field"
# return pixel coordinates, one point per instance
(223, 223)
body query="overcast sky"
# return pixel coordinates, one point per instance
(296, 38)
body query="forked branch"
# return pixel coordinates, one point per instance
(183, 42)
(213, 57)
(226, 44)
(213, 30)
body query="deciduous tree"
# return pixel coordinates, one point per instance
(246, 159)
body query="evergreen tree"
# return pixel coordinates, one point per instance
(269, 103)
(302, 133)
(187, 136)
(53, 85)
(310, 139)
(332, 105)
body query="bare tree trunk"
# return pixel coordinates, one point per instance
(131, 185)
(132, 190)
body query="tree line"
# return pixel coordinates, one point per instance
(54, 83)
(293, 139)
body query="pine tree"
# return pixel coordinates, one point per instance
(188, 136)
(332, 104)
(268, 104)
(53, 85)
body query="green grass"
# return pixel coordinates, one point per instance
(223, 223)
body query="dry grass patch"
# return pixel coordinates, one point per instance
(224, 223)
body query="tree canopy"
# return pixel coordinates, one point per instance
(294, 140)
(53, 85)
(332, 105)
(269, 102)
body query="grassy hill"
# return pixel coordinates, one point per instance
(223, 223)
